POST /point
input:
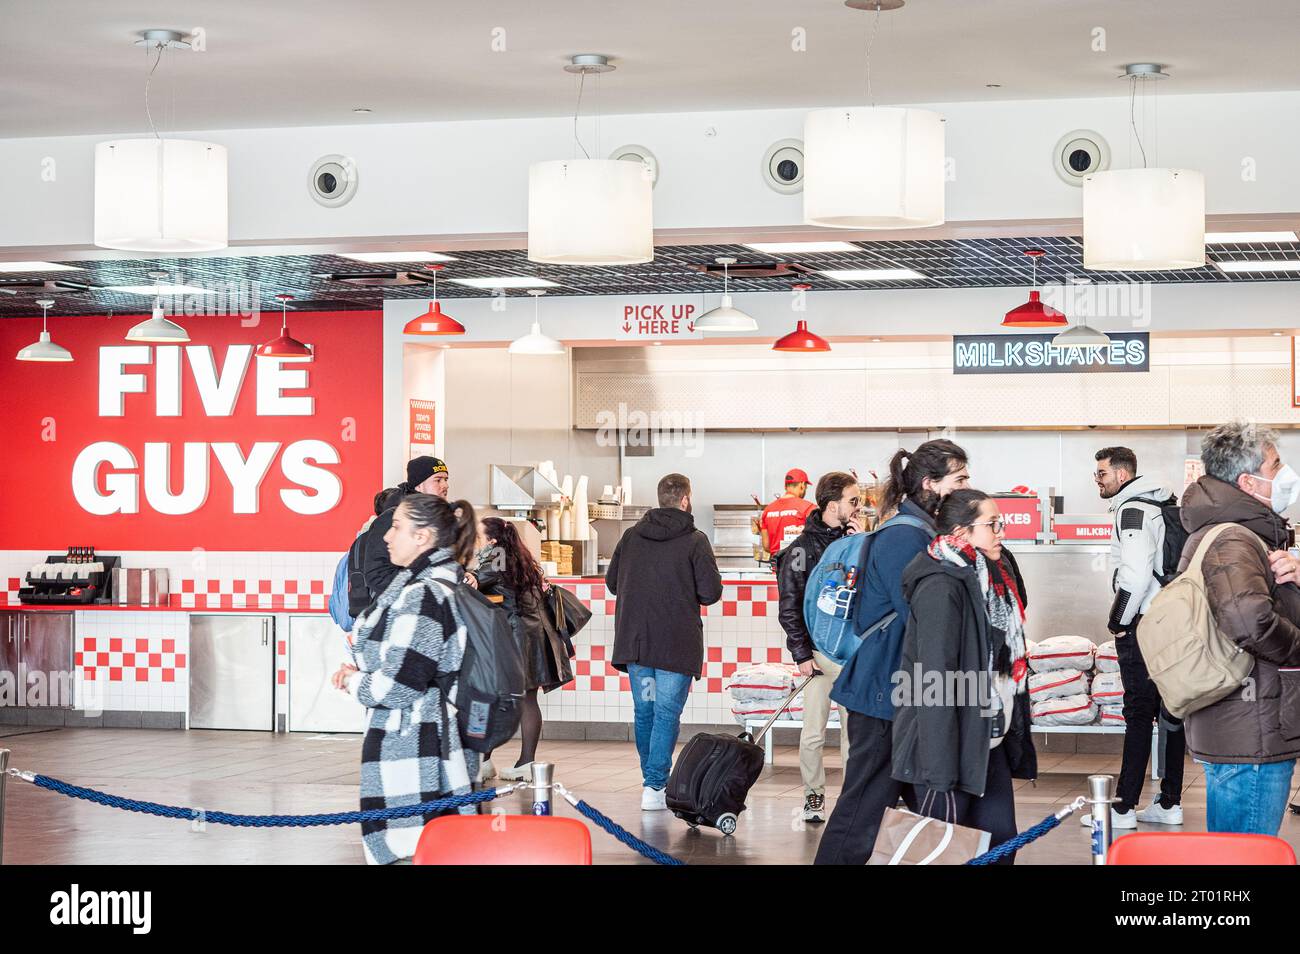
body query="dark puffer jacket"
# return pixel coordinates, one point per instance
(1262, 722)
(662, 571)
(793, 567)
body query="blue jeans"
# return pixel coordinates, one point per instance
(658, 697)
(1247, 798)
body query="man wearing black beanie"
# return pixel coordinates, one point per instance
(424, 475)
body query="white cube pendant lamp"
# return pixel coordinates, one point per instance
(43, 349)
(1147, 219)
(159, 195)
(873, 168)
(590, 211)
(1144, 220)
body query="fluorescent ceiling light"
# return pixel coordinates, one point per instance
(37, 267)
(508, 281)
(153, 290)
(1238, 238)
(1280, 265)
(382, 258)
(807, 248)
(871, 274)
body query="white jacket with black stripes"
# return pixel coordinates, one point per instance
(1136, 549)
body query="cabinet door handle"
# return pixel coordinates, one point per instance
(264, 634)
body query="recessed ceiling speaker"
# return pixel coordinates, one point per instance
(1079, 154)
(783, 166)
(333, 180)
(634, 153)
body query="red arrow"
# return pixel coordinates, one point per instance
(690, 326)
(626, 327)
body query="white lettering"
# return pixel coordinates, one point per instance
(246, 475)
(157, 478)
(123, 492)
(328, 487)
(169, 381)
(219, 394)
(113, 382)
(273, 378)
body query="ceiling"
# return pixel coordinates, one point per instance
(68, 67)
(947, 263)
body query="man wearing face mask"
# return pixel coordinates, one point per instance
(1249, 740)
(1138, 570)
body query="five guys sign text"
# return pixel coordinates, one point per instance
(164, 447)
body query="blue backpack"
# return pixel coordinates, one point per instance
(829, 601)
(339, 596)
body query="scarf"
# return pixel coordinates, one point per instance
(1002, 605)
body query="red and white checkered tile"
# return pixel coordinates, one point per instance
(137, 661)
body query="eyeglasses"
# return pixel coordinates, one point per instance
(1099, 474)
(997, 525)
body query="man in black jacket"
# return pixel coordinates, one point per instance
(662, 571)
(837, 503)
(424, 475)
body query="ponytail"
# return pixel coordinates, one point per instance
(465, 533)
(893, 495)
(454, 525)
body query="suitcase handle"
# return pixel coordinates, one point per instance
(780, 709)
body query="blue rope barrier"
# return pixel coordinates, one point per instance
(994, 855)
(625, 836)
(261, 821)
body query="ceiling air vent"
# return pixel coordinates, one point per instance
(383, 279)
(33, 286)
(757, 270)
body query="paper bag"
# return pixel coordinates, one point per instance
(906, 838)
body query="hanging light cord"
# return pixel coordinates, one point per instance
(284, 318)
(148, 80)
(582, 78)
(871, 41)
(1132, 119)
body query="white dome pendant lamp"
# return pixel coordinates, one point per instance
(161, 195)
(873, 167)
(1147, 219)
(590, 211)
(43, 349)
(536, 343)
(726, 317)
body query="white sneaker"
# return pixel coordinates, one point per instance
(1157, 814)
(518, 773)
(1128, 819)
(486, 771)
(653, 800)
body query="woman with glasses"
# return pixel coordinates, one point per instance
(961, 729)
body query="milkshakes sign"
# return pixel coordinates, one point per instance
(167, 447)
(1035, 354)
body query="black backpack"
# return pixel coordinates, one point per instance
(490, 684)
(359, 598)
(1175, 536)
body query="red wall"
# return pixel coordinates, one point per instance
(50, 413)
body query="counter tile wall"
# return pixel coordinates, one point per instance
(131, 661)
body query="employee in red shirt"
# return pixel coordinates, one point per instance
(782, 520)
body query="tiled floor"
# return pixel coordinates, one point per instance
(257, 772)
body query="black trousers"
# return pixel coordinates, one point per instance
(1141, 707)
(868, 790)
(993, 812)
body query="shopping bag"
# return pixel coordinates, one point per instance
(906, 838)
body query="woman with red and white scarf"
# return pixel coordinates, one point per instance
(961, 730)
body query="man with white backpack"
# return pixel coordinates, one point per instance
(1145, 544)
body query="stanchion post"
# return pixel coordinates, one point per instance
(4, 777)
(1100, 797)
(543, 773)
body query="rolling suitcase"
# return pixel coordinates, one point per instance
(714, 773)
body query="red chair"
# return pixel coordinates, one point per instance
(503, 840)
(1199, 848)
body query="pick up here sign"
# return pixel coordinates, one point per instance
(1035, 354)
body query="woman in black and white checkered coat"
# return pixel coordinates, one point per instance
(404, 646)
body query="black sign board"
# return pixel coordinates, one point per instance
(1035, 354)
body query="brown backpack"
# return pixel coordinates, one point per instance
(1190, 660)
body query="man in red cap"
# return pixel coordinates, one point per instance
(783, 519)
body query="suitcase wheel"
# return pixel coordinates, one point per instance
(727, 824)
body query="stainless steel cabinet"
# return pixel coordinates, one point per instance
(232, 672)
(317, 647)
(36, 648)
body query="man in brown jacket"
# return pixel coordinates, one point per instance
(1248, 741)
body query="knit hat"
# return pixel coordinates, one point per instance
(420, 469)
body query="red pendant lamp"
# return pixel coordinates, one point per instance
(285, 347)
(1033, 313)
(433, 321)
(801, 339)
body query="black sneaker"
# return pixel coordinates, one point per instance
(814, 808)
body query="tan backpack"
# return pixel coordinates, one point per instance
(1190, 660)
